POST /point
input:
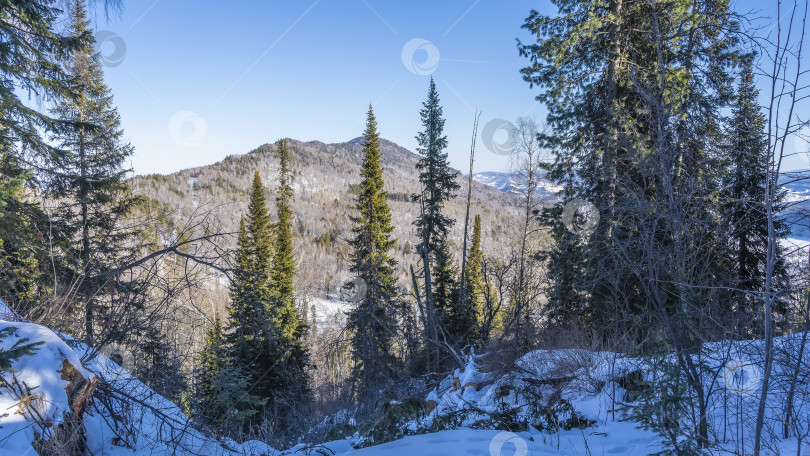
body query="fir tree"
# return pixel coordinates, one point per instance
(608, 149)
(283, 266)
(373, 321)
(633, 119)
(475, 284)
(223, 390)
(32, 52)
(457, 318)
(251, 328)
(432, 225)
(260, 232)
(565, 265)
(22, 347)
(292, 393)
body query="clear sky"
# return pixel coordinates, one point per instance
(196, 80)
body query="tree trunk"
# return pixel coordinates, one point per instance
(609, 158)
(85, 254)
(797, 367)
(462, 280)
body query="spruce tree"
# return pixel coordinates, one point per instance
(745, 190)
(33, 52)
(373, 321)
(457, 318)
(633, 110)
(612, 106)
(224, 399)
(432, 225)
(93, 176)
(211, 361)
(566, 263)
(24, 270)
(33, 49)
(246, 309)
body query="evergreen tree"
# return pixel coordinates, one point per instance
(24, 271)
(457, 318)
(92, 177)
(612, 106)
(260, 232)
(251, 328)
(373, 322)
(432, 225)
(283, 266)
(223, 397)
(22, 347)
(211, 361)
(566, 263)
(633, 109)
(32, 52)
(745, 189)
(292, 393)
(475, 285)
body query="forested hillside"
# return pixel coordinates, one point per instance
(326, 180)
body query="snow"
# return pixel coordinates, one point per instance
(585, 379)
(512, 183)
(42, 374)
(160, 426)
(192, 185)
(329, 312)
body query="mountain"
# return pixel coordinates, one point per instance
(797, 198)
(325, 184)
(795, 183)
(512, 183)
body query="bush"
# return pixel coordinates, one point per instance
(389, 424)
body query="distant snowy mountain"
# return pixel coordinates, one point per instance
(797, 200)
(797, 196)
(513, 184)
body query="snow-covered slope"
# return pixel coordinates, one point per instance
(578, 402)
(154, 425)
(604, 411)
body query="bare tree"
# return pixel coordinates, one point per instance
(788, 88)
(526, 288)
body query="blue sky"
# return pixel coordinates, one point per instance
(195, 81)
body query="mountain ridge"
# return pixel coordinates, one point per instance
(325, 177)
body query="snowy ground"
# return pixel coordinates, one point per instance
(158, 427)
